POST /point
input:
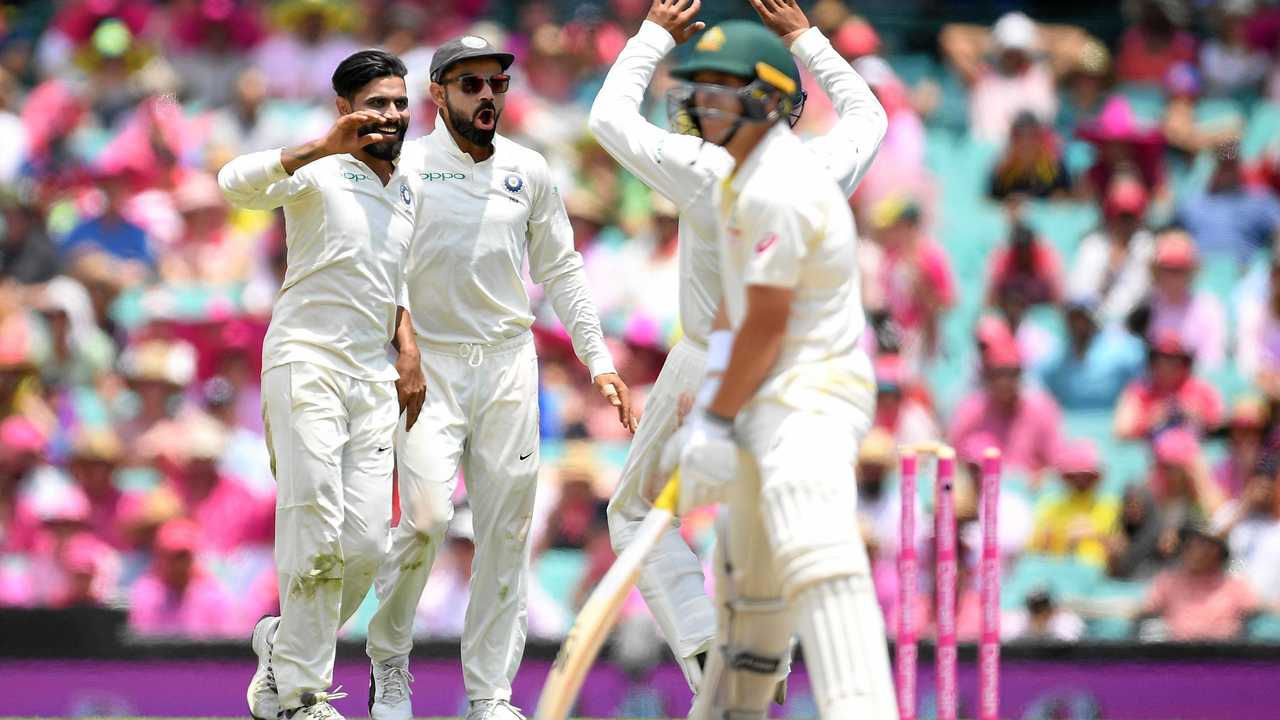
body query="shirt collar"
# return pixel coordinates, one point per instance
(441, 136)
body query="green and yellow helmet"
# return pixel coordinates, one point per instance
(747, 50)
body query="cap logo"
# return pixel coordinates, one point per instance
(711, 41)
(775, 77)
(473, 42)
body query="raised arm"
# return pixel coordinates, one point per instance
(851, 144)
(266, 180)
(678, 166)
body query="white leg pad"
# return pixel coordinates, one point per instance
(843, 636)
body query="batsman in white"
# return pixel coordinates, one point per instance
(775, 434)
(329, 388)
(684, 168)
(486, 205)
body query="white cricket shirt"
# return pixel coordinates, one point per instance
(478, 222)
(685, 168)
(347, 238)
(786, 224)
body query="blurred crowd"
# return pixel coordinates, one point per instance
(1068, 253)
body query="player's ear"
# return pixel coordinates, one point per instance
(437, 94)
(343, 105)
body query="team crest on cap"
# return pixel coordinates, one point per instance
(473, 42)
(513, 183)
(712, 40)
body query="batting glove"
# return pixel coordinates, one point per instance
(704, 450)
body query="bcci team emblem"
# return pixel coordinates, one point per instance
(513, 183)
(404, 194)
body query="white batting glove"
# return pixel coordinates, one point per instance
(707, 456)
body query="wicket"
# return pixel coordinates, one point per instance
(945, 574)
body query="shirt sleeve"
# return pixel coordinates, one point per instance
(681, 167)
(258, 181)
(779, 235)
(851, 144)
(557, 266)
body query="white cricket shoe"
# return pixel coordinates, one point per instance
(315, 706)
(389, 690)
(264, 698)
(493, 710)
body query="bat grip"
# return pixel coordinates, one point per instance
(670, 495)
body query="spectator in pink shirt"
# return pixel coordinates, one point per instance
(90, 569)
(22, 448)
(1170, 395)
(230, 516)
(1197, 316)
(1024, 423)
(1199, 600)
(1028, 263)
(908, 276)
(1155, 42)
(1248, 424)
(95, 454)
(1181, 486)
(177, 597)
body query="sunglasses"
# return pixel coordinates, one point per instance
(472, 84)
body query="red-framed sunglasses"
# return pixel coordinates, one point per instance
(472, 84)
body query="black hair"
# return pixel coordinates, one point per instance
(359, 69)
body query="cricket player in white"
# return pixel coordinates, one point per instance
(775, 433)
(487, 204)
(330, 391)
(684, 168)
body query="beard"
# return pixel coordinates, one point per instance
(466, 126)
(388, 149)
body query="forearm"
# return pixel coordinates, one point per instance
(295, 157)
(404, 341)
(571, 300)
(755, 350)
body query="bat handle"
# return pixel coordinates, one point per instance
(670, 495)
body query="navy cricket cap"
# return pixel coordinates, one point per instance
(467, 47)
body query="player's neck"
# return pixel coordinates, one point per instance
(745, 142)
(478, 153)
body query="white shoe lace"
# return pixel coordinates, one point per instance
(487, 708)
(393, 681)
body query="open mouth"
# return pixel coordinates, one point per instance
(486, 118)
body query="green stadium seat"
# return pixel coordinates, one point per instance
(1264, 628)
(559, 571)
(1262, 131)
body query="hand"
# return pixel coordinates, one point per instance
(616, 392)
(345, 137)
(684, 405)
(707, 456)
(676, 17)
(783, 17)
(411, 388)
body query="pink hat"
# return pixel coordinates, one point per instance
(21, 434)
(178, 535)
(1118, 123)
(1176, 250)
(198, 191)
(992, 330)
(84, 553)
(1079, 456)
(1002, 355)
(1125, 196)
(1170, 342)
(1177, 446)
(855, 38)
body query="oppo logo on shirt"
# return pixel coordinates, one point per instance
(355, 176)
(441, 176)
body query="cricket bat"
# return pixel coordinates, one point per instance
(600, 612)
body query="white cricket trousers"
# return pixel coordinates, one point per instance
(481, 414)
(671, 579)
(330, 437)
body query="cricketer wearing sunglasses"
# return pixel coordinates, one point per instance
(486, 205)
(731, 80)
